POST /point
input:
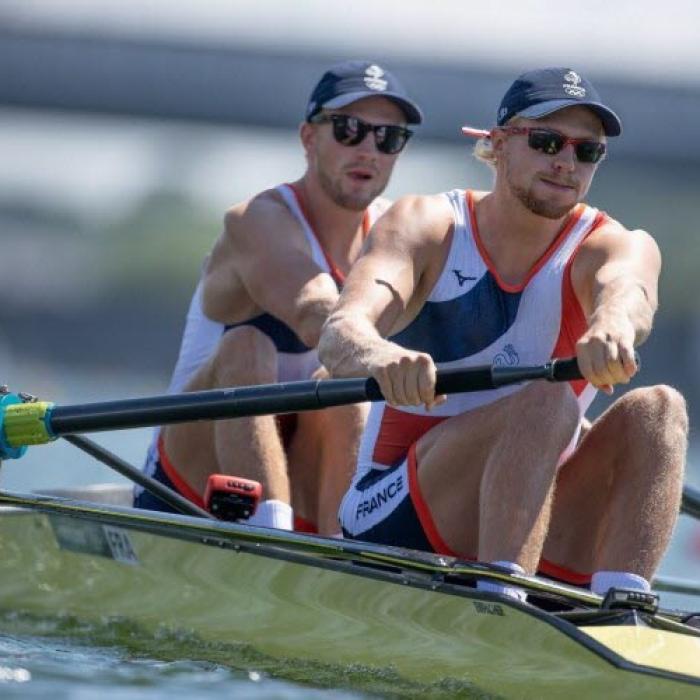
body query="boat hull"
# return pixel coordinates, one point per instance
(294, 605)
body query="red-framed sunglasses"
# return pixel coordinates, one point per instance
(551, 142)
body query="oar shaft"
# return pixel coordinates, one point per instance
(279, 398)
(177, 408)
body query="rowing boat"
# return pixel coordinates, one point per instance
(326, 603)
(311, 599)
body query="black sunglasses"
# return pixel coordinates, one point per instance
(551, 142)
(350, 131)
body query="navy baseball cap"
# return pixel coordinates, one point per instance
(349, 81)
(541, 92)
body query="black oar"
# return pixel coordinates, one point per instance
(38, 422)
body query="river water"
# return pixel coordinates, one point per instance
(64, 659)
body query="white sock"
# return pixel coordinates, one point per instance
(338, 535)
(504, 588)
(603, 581)
(272, 513)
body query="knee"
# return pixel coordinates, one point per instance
(653, 427)
(245, 355)
(656, 408)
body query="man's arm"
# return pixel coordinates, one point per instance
(386, 286)
(262, 260)
(615, 278)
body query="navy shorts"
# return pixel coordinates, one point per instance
(148, 501)
(385, 507)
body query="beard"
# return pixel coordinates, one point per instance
(539, 206)
(355, 201)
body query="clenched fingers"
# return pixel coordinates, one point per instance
(408, 380)
(605, 361)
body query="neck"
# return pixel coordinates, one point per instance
(514, 238)
(335, 227)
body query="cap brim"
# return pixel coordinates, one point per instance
(612, 125)
(410, 110)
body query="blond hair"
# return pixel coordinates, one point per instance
(483, 151)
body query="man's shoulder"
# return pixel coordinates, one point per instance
(432, 211)
(257, 210)
(611, 241)
(612, 232)
(418, 220)
(262, 223)
(431, 204)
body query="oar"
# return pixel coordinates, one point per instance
(38, 422)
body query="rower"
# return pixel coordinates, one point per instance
(512, 277)
(269, 284)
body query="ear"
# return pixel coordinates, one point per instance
(498, 141)
(307, 135)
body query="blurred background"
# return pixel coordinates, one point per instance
(127, 127)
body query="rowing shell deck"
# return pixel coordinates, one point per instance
(329, 602)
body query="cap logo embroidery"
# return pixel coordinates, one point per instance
(502, 113)
(572, 85)
(374, 79)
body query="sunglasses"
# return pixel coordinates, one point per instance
(552, 142)
(389, 138)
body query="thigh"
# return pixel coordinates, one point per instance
(322, 458)
(453, 457)
(304, 464)
(191, 445)
(581, 497)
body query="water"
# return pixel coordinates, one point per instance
(34, 666)
(66, 659)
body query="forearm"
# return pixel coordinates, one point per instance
(623, 301)
(348, 345)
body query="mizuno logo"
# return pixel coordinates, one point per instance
(462, 278)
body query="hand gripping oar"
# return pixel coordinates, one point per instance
(31, 422)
